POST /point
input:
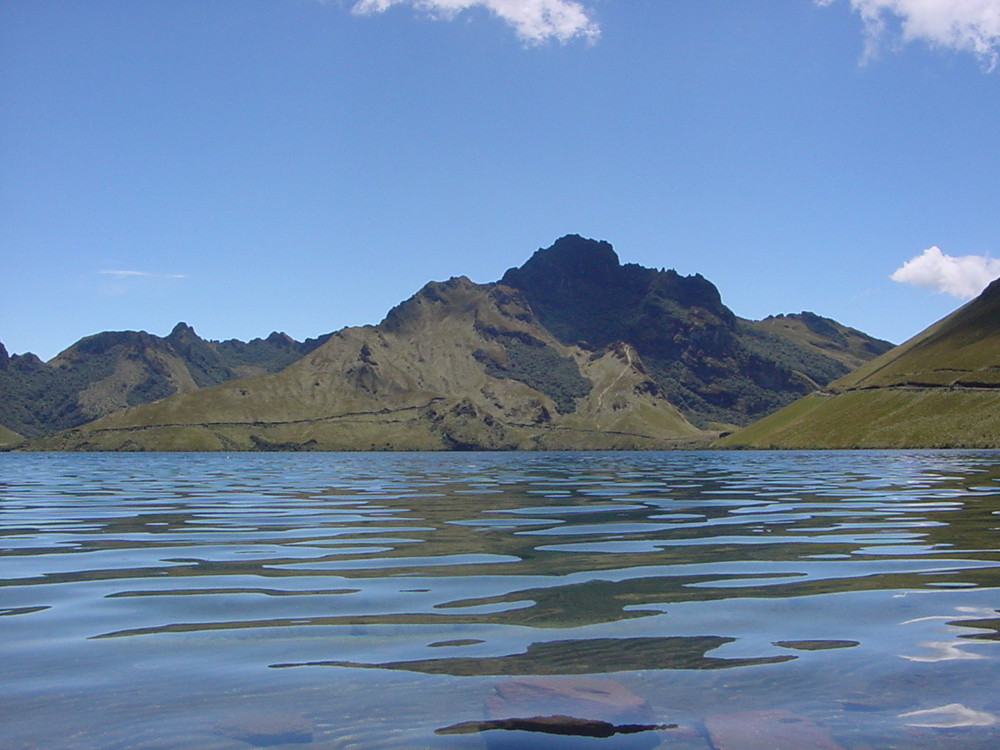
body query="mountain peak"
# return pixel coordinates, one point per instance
(435, 299)
(281, 339)
(182, 330)
(572, 257)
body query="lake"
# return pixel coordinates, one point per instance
(694, 600)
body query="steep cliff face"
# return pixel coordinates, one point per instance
(714, 366)
(939, 389)
(457, 366)
(113, 370)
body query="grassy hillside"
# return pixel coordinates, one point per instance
(581, 302)
(8, 437)
(939, 389)
(508, 365)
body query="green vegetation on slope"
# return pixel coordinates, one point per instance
(824, 337)
(38, 398)
(538, 366)
(112, 370)
(9, 438)
(939, 389)
(533, 341)
(883, 418)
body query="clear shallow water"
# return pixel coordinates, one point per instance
(371, 600)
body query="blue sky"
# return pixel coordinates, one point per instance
(297, 165)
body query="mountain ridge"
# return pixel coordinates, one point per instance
(410, 383)
(716, 366)
(543, 326)
(112, 370)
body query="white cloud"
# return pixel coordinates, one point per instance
(534, 21)
(960, 25)
(963, 277)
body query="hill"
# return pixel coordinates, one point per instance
(113, 370)
(939, 389)
(825, 336)
(457, 366)
(9, 438)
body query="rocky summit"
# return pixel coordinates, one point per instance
(715, 366)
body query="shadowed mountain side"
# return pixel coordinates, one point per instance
(939, 389)
(457, 366)
(113, 370)
(714, 366)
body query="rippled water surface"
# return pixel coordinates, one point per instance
(830, 600)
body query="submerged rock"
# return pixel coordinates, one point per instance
(570, 713)
(565, 725)
(264, 730)
(767, 730)
(604, 699)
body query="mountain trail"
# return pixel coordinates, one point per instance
(612, 384)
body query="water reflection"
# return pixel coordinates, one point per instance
(835, 585)
(592, 656)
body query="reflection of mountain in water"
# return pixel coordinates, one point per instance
(571, 541)
(591, 656)
(669, 571)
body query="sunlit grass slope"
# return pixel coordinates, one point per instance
(8, 437)
(939, 389)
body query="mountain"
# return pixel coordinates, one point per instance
(939, 389)
(544, 340)
(457, 366)
(825, 336)
(715, 366)
(110, 371)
